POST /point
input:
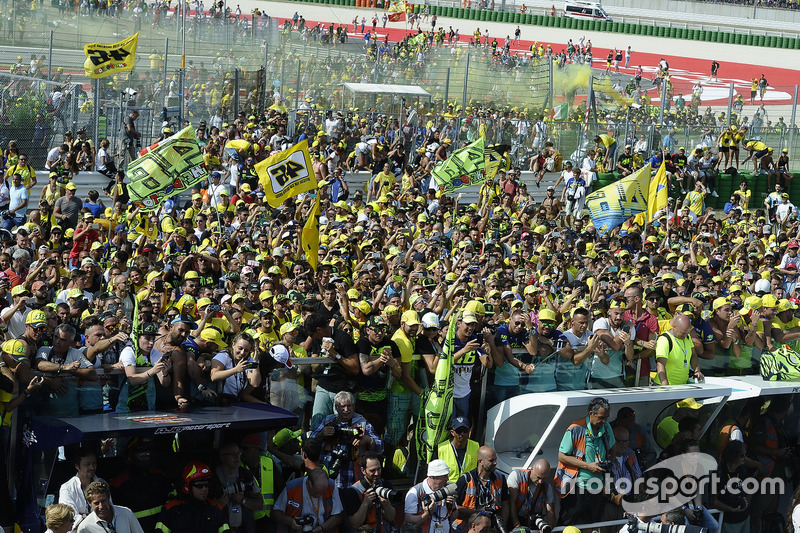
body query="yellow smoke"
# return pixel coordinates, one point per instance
(575, 78)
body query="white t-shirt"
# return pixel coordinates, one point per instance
(236, 383)
(439, 521)
(128, 358)
(98, 160)
(18, 195)
(16, 324)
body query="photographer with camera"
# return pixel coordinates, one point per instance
(582, 461)
(482, 489)
(731, 499)
(431, 503)
(368, 502)
(346, 435)
(533, 497)
(309, 504)
(625, 469)
(235, 488)
(194, 512)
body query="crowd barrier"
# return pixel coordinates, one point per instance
(726, 184)
(530, 19)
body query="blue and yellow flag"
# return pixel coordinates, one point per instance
(287, 174)
(310, 236)
(466, 166)
(613, 204)
(106, 59)
(436, 406)
(165, 169)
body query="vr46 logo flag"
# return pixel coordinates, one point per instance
(611, 205)
(168, 168)
(287, 174)
(106, 59)
(466, 166)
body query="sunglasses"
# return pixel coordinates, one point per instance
(518, 323)
(548, 324)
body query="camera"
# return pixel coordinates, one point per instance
(605, 465)
(236, 487)
(306, 522)
(496, 517)
(348, 433)
(214, 308)
(538, 522)
(6, 215)
(439, 495)
(635, 525)
(340, 457)
(386, 493)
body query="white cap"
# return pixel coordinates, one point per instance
(278, 252)
(225, 298)
(430, 320)
(247, 270)
(280, 354)
(438, 467)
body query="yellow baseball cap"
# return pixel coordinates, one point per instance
(210, 334)
(15, 348)
(410, 318)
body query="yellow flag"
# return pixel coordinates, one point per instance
(310, 236)
(106, 59)
(657, 195)
(287, 174)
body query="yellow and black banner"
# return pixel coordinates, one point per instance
(287, 174)
(106, 59)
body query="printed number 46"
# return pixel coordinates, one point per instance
(99, 57)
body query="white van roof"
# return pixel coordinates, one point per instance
(583, 4)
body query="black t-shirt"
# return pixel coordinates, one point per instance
(130, 129)
(351, 500)
(377, 381)
(328, 313)
(733, 479)
(334, 378)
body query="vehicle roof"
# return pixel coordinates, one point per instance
(50, 432)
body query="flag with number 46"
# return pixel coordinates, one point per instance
(106, 59)
(287, 174)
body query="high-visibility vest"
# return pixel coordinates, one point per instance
(768, 463)
(533, 504)
(724, 437)
(447, 454)
(266, 482)
(471, 495)
(565, 475)
(294, 502)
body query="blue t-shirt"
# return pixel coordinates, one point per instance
(508, 375)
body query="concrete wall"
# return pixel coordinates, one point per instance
(762, 15)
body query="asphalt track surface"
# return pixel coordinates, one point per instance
(689, 61)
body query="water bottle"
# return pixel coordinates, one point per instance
(235, 515)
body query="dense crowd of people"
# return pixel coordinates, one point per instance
(210, 300)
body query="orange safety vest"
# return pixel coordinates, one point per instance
(535, 502)
(471, 494)
(565, 475)
(294, 502)
(371, 519)
(768, 463)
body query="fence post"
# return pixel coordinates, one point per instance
(164, 82)
(794, 115)
(236, 75)
(730, 104)
(297, 87)
(96, 115)
(50, 59)
(447, 86)
(466, 80)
